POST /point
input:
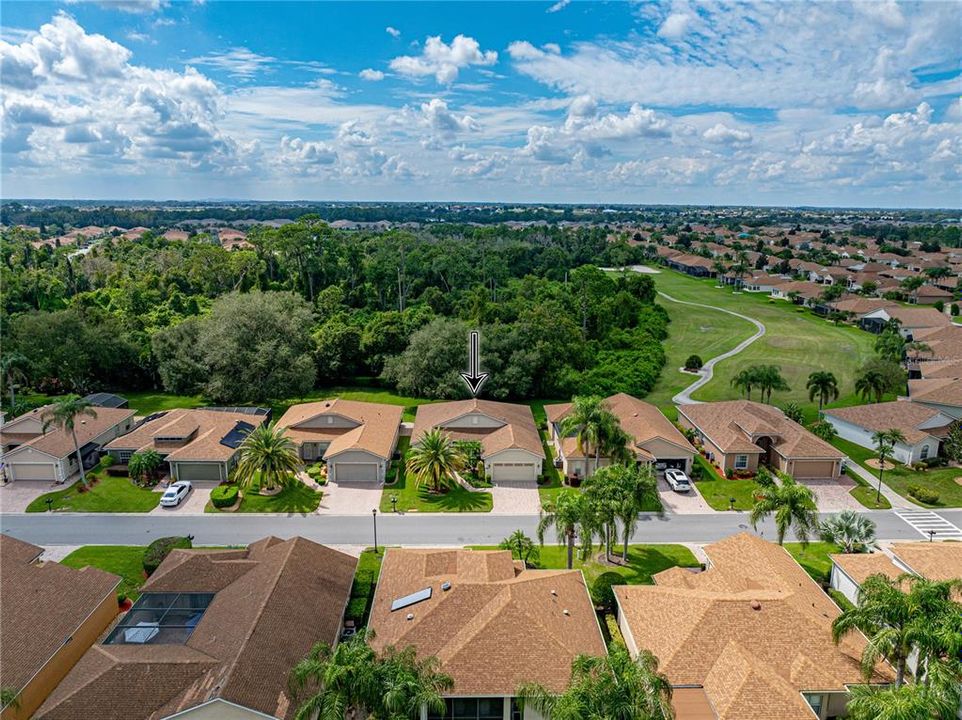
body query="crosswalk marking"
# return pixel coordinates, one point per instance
(925, 521)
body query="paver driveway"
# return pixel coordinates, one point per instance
(15, 496)
(833, 495)
(690, 502)
(350, 498)
(519, 498)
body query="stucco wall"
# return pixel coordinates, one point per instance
(862, 437)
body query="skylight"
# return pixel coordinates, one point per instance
(161, 619)
(412, 599)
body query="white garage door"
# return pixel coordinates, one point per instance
(508, 472)
(32, 471)
(355, 472)
(199, 472)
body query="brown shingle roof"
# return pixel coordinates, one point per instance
(376, 431)
(900, 414)
(754, 630)
(273, 602)
(917, 317)
(932, 560)
(938, 391)
(496, 627)
(59, 443)
(41, 607)
(521, 432)
(860, 566)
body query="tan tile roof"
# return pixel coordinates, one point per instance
(730, 425)
(209, 427)
(521, 432)
(376, 433)
(932, 560)
(938, 391)
(641, 420)
(860, 566)
(917, 317)
(41, 607)
(862, 305)
(59, 443)
(903, 415)
(941, 369)
(496, 627)
(945, 343)
(691, 704)
(754, 630)
(273, 602)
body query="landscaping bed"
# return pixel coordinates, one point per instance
(107, 494)
(718, 491)
(295, 498)
(410, 498)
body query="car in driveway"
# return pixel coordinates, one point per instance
(175, 493)
(677, 480)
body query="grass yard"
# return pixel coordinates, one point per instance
(295, 498)
(124, 560)
(796, 340)
(718, 491)
(549, 491)
(411, 498)
(109, 495)
(643, 561)
(814, 558)
(365, 583)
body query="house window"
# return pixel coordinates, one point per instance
(815, 702)
(925, 452)
(741, 462)
(517, 713)
(471, 709)
(124, 455)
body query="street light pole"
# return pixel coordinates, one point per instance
(374, 515)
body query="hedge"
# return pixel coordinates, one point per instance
(159, 549)
(924, 494)
(224, 496)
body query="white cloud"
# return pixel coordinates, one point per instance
(675, 26)
(393, 32)
(560, 5)
(444, 61)
(720, 133)
(238, 61)
(371, 74)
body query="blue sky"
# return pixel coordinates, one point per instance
(826, 103)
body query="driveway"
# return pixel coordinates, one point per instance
(833, 495)
(15, 496)
(193, 504)
(515, 499)
(350, 498)
(690, 502)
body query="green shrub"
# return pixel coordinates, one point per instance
(954, 310)
(729, 473)
(356, 609)
(924, 494)
(315, 470)
(159, 549)
(935, 462)
(223, 496)
(694, 362)
(601, 593)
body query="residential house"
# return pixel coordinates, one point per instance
(511, 447)
(738, 435)
(107, 400)
(910, 319)
(753, 631)
(930, 295)
(491, 624)
(176, 235)
(932, 560)
(695, 265)
(763, 283)
(51, 614)
(940, 393)
(355, 439)
(855, 306)
(199, 444)
(214, 634)
(31, 452)
(654, 439)
(800, 292)
(924, 427)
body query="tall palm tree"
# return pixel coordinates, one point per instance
(435, 459)
(594, 427)
(769, 378)
(909, 702)
(745, 380)
(268, 454)
(639, 490)
(871, 386)
(63, 415)
(567, 514)
(13, 370)
(823, 385)
(605, 498)
(519, 542)
(793, 506)
(885, 441)
(613, 686)
(852, 531)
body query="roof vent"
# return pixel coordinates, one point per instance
(445, 586)
(756, 605)
(565, 611)
(555, 593)
(410, 616)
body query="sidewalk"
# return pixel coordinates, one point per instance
(893, 497)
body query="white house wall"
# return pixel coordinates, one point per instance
(862, 437)
(844, 584)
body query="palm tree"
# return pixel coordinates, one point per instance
(567, 513)
(852, 531)
(793, 411)
(885, 441)
(605, 498)
(909, 702)
(824, 430)
(269, 455)
(890, 345)
(823, 385)
(143, 464)
(435, 459)
(594, 427)
(518, 542)
(793, 506)
(639, 490)
(871, 385)
(745, 380)
(769, 378)
(13, 370)
(613, 686)
(63, 415)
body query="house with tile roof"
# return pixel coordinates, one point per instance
(655, 439)
(356, 439)
(31, 452)
(491, 624)
(738, 435)
(924, 427)
(214, 634)
(198, 444)
(511, 447)
(910, 319)
(753, 631)
(939, 393)
(50, 614)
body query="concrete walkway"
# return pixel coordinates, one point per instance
(893, 497)
(708, 369)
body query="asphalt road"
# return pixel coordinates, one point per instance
(411, 529)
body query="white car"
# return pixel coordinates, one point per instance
(175, 493)
(678, 481)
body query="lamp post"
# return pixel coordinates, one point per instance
(374, 515)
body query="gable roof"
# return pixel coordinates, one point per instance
(272, 603)
(518, 431)
(917, 422)
(377, 428)
(938, 391)
(58, 443)
(496, 627)
(42, 605)
(914, 317)
(753, 589)
(932, 560)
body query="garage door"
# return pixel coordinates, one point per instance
(199, 472)
(676, 463)
(814, 469)
(507, 472)
(32, 471)
(355, 472)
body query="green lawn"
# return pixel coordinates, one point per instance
(124, 560)
(110, 494)
(814, 558)
(411, 498)
(643, 561)
(365, 583)
(797, 341)
(151, 401)
(295, 498)
(549, 491)
(718, 491)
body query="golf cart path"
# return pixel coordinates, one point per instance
(708, 369)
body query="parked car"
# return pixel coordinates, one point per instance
(175, 493)
(677, 480)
